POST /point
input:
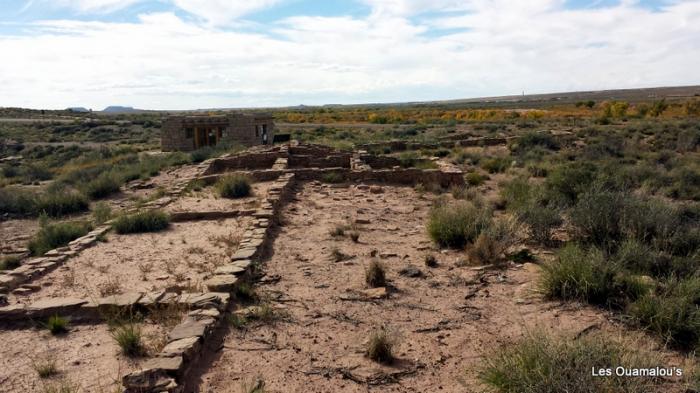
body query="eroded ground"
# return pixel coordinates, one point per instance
(86, 358)
(444, 319)
(177, 259)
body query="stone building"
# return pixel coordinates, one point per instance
(185, 133)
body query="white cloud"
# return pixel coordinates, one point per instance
(163, 61)
(95, 5)
(221, 11)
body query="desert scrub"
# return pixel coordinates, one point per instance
(57, 325)
(101, 213)
(233, 186)
(104, 185)
(10, 262)
(587, 276)
(496, 164)
(375, 275)
(380, 345)
(128, 337)
(540, 364)
(672, 312)
(45, 367)
(58, 204)
(146, 221)
(332, 177)
(54, 235)
(541, 221)
(491, 245)
(457, 224)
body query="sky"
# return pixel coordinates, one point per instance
(192, 54)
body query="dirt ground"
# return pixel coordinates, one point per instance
(15, 234)
(443, 320)
(86, 357)
(179, 257)
(207, 200)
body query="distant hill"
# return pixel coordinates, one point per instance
(119, 109)
(78, 109)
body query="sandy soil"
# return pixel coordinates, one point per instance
(443, 322)
(15, 234)
(207, 200)
(179, 257)
(87, 357)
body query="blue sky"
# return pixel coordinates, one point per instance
(186, 54)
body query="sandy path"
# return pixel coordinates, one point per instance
(441, 335)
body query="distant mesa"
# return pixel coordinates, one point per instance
(119, 109)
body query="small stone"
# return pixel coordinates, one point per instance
(411, 271)
(230, 269)
(376, 190)
(375, 293)
(385, 255)
(244, 253)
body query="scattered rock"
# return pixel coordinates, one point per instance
(191, 328)
(376, 190)
(411, 271)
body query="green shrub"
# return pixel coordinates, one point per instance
(475, 178)
(10, 262)
(101, 213)
(542, 364)
(587, 276)
(518, 194)
(541, 221)
(104, 185)
(496, 164)
(672, 313)
(233, 186)
(57, 325)
(455, 225)
(17, 201)
(332, 177)
(597, 217)
(531, 140)
(56, 235)
(201, 154)
(146, 221)
(565, 183)
(128, 337)
(59, 204)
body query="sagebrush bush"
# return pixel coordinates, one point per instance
(104, 185)
(541, 364)
(496, 164)
(541, 221)
(332, 177)
(672, 312)
(56, 235)
(457, 224)
(59, 204)
(233, 186)
(101, 213)
(564, 184)
(145, 221)
(596, 217)
(16, 201)
(201, 154)
(375, 275)
(10, 262)
(380, 346)
(587, 276)
(532, 140)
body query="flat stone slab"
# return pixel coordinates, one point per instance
(244, 253)
(123, 300)
(243, 264)
(151, 299)
(191, 329)
(230, 269)
(186, 347)
(57, 305)
(222, 283)
(171, 365)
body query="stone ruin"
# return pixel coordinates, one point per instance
(186, 133)
(284, 165)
